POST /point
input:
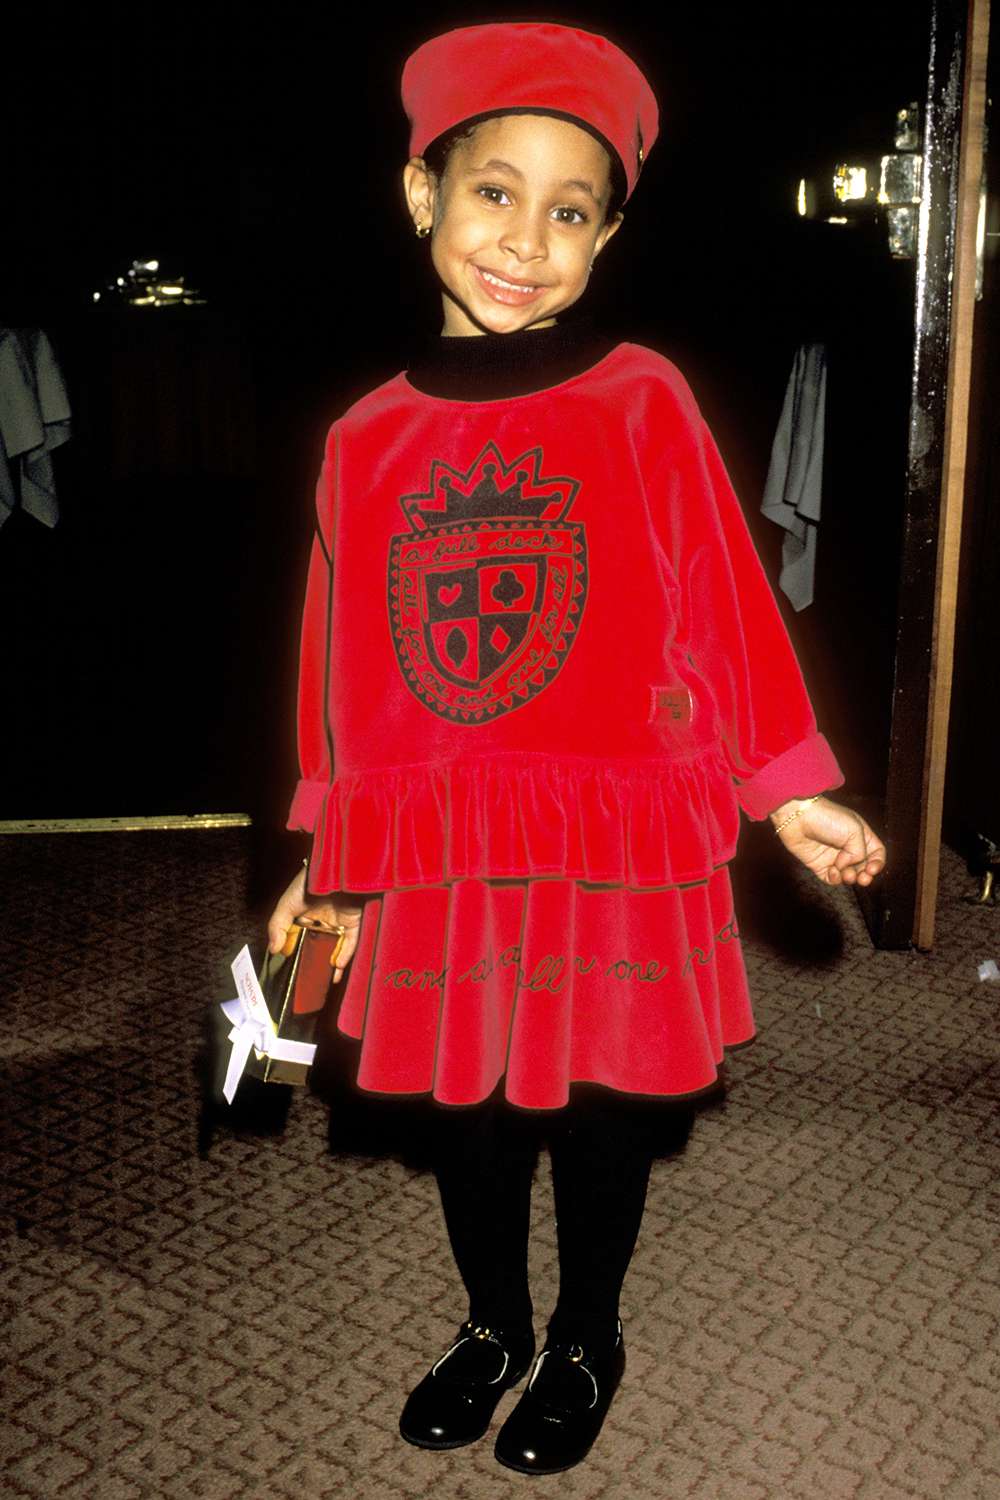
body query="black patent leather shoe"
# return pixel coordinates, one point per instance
(456, 1399)
(562, 1408)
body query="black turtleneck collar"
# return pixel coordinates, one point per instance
(494, 366)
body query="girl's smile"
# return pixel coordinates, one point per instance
(503, 290)
(516, 221)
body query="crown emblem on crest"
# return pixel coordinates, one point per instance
(487, 490)
(487, 586)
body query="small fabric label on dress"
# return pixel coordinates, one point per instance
(670, 705)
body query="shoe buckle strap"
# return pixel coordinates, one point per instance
(478, 1331)
(577, 1359)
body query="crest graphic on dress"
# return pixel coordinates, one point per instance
(487, 585)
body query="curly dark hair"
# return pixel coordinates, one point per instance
(437, 154)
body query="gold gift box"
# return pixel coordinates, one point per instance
(295, 982)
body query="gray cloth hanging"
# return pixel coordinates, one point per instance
(794, 488)
(34, 419)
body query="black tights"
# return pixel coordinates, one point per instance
(601, 1159)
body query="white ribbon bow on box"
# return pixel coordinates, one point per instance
(253, 1027)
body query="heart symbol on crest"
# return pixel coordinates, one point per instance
(449, 592)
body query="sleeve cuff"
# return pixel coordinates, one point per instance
(306, 804)
(804, 770)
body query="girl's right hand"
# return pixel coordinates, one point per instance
(294, 902)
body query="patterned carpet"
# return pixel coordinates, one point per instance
(224, 1304)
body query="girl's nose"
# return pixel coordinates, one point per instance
(525, 235)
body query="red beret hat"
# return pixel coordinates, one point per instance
(531, 67)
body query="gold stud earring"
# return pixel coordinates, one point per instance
(423, 230)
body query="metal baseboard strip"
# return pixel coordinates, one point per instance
(125, 824)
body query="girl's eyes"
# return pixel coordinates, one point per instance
(581, 217)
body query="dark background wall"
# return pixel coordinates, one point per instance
(151, 639)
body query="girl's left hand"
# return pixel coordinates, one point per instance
(832, 841)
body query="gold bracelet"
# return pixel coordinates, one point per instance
(792, 816)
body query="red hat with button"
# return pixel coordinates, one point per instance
(531, 67)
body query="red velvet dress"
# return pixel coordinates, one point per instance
(541, 672)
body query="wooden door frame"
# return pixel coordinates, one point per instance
(900, 907)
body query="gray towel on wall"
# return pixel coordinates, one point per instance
(34, 419)
(794, 488)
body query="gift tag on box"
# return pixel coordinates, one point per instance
(274, 1016)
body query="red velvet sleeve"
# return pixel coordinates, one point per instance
(315, 747)
(736, 639)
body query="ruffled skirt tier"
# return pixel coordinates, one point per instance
(543, 982)
(649, 822)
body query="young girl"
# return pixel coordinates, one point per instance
(541, 672)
